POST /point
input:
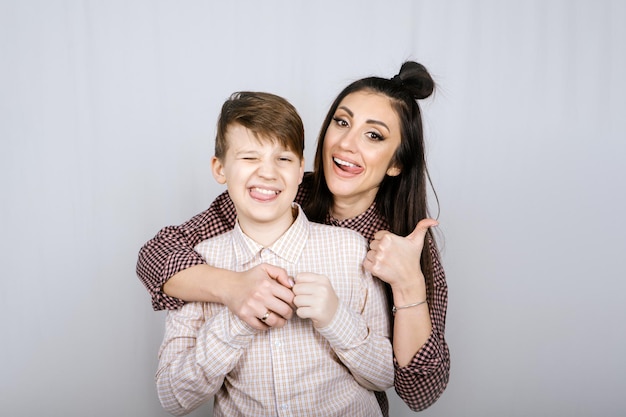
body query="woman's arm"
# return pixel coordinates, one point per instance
(172, 251)
(421, 353)
(173, 272)
(424, 379)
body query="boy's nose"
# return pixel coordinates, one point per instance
(267, 169)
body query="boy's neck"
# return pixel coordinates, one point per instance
(266, 233)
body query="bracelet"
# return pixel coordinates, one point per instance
(394, 308)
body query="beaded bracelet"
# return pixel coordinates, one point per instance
(394, 308)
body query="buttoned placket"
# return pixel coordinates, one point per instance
(281, 386)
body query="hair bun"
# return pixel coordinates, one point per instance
(416, 79)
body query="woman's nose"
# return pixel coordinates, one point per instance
(348, 140)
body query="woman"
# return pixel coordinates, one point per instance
(370, 176)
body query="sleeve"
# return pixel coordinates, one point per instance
(197, 353)
(361, 337)
(422, 382)
(172, 249)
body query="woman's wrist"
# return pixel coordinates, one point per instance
(409, 292)
(202, 283)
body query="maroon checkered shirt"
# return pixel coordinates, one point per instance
(419, 384)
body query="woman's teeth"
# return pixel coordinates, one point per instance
(344, 163)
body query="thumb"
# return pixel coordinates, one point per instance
(279, 274)
(422, 227)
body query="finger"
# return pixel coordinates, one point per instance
(282, 293)
(271, 319)
(275, 321)
(380, 234)
(370, 264)
(257, 324)
(280, 308)
(306, 300)
(421, 228)
(306, 277)
(278, 274)
(305, 312)
(372, 255)
(303, 288)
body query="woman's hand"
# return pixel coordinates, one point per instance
(257, 291)
(315, 298)
(396, 260)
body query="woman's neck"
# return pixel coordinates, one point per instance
(345, 208)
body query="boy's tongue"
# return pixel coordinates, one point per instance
(262, 194)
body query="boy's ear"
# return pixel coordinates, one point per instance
(217, 168)
(301, 170)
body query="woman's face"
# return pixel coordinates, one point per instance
(358, 149)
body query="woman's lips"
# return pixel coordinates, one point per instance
(347, 166)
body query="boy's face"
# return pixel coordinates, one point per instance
(262, 178)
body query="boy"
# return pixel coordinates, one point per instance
(326, 360)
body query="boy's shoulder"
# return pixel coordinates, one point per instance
(215, 241)
(335, 233)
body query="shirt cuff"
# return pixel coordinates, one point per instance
(345, 330)
(230, 329)
(426, 360)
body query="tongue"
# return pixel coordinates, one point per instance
(350, 169)
(257, 195)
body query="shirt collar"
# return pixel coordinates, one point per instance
(367, 223)
(288, 247)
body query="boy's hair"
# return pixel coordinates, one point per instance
(267, 116)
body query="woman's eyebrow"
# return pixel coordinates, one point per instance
(370, 121)
(378, 122)
(347, 110)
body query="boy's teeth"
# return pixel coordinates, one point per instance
(264, 191)
(341, 162)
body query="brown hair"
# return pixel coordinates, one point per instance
(267, 116)
(401, 199)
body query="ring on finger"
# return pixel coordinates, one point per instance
(265, 316)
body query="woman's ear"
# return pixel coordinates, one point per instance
(394, 171)
(217, 168)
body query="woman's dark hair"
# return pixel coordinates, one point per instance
(400, 199)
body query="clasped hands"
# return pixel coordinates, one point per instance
(268, 289)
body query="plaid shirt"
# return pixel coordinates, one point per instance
(419, 384)
(286, 371)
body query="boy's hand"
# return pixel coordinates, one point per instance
(262, 289)
(315, 298)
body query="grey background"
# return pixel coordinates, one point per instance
(107, 116)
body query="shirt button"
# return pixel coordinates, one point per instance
(277, 344)
(284, 407)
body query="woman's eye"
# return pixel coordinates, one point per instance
(375, 136)
(340, 122)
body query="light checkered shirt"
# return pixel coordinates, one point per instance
(295, 370)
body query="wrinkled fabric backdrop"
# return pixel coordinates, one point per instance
(107, 119)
